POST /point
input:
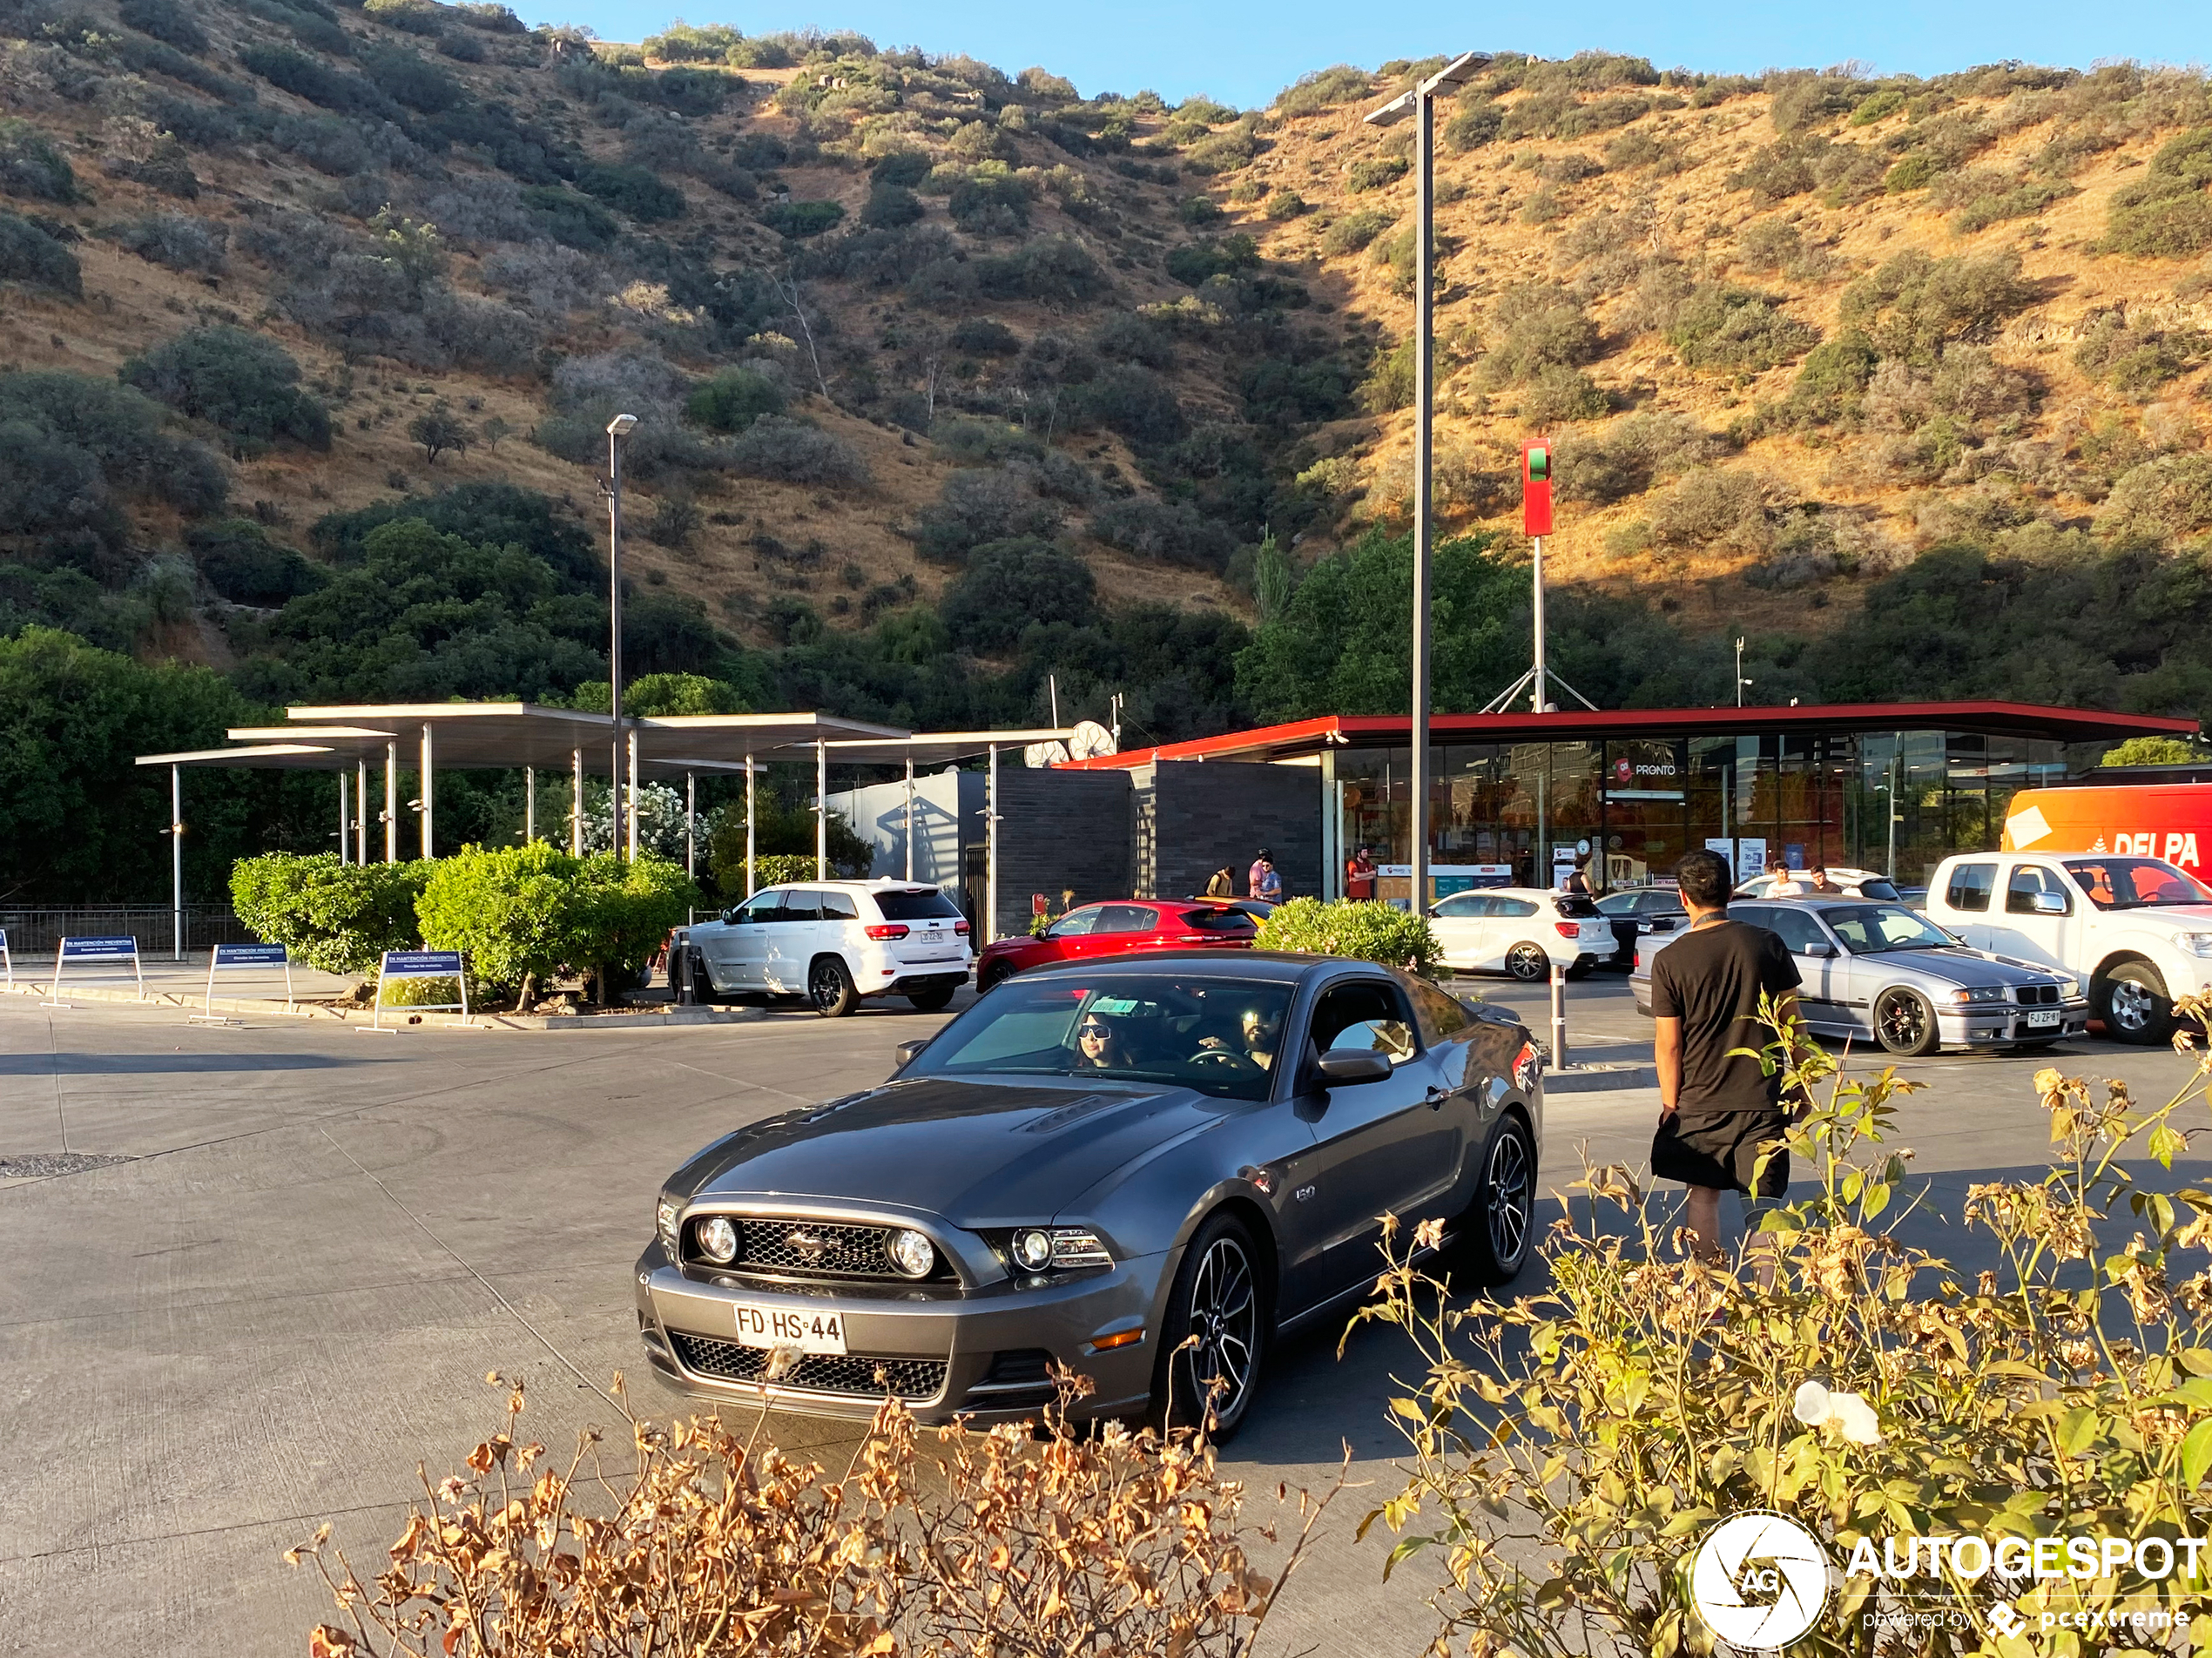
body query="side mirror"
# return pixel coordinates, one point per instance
(907, 1052)
(2050, 903)
(1819, 949)
(1344, 1067)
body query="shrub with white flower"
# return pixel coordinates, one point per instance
(1849, 1414)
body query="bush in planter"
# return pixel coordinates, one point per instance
(524, 913)
(338, 916)
(1359, 928)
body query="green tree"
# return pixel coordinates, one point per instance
(338, 916)
(1344, 642)
(784, 830)
(2150, 751)
(438, 431)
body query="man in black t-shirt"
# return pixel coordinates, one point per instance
(1717, 1107)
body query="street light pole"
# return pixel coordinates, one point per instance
(1421, 102)
(617, 428)
(1740, 680)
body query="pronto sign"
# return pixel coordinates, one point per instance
(2168, 820)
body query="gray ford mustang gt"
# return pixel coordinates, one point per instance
(1091, 1166)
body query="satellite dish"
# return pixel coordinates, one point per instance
(1038, 755)
(1089, 740)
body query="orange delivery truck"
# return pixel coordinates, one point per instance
(2168, 820)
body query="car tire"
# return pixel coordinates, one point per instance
(1581, 970)
(703, 990)
(1528, 963)
(931, 1002)
(1905, 1023)
(992, 976)
(2131, 999)
(1219, 1295)
(829, 987)
(1499, 1227)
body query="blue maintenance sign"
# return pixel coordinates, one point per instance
(98, 949)
(421, 964)
(249, 955)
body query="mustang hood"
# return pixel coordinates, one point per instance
(977, 1152)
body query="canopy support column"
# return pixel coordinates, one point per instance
(990, 928)
(391, 803)
(575, 803)
(821, 810)
(910, 817)
(631, 801)
(176, 860)
(361, 811)
(429, 784)
(345, 822)
(529, 804)
(751, 773)
(690, 825)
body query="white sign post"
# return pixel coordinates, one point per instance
(6, 960)
(244, 955)
(398, 965)
(111, 949)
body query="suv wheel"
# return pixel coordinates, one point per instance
(2132, 1002)
(1528, 963)
(931, 1002)
(829, 987)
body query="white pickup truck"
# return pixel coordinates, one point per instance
(2136, 931)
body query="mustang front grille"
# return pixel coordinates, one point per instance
(795, 1247)
(855, 1373)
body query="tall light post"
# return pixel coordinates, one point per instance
(1740, 680)
(617, 428)
(1420, 102)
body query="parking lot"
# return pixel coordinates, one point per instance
(287, 1290)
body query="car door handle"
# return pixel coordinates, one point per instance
(1436, 1096)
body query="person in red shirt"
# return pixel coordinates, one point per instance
(1359, 874)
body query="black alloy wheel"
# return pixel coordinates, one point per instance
(830, 987)
(931, 1002)
(1528, 963)
(1215, 1334)
(1905, 1022)
(1502, 1224)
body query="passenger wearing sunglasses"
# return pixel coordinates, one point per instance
(1098, 1044)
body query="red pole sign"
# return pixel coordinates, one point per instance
(1536, 487)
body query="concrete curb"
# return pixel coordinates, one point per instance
(398, 1018)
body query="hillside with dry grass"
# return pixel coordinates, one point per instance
(947, 379)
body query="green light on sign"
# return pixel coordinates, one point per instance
(1539, 465)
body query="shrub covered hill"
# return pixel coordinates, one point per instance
(315, 314)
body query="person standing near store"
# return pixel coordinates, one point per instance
(1718, 1105)
(1359, 874)
(1266, 883)
(1820, 885)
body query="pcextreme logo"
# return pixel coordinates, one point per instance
(1759, 1580)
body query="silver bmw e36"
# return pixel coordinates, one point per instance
(1144, 1170)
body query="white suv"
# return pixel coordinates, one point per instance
(2137, 931)
(834, 942)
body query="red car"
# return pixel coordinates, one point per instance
(1118, 927)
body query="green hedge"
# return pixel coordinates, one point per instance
(338, 916)
(1361, 929)
(528, 912)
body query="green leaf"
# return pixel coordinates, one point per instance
(2080, 1431)
(2196, 1453)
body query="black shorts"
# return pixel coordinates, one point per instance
(1720, 1149)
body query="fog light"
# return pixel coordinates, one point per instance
(911, 1253)
(718, 1240)
(1033, 1248)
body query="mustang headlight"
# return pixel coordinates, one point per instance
(2196, 943)
(1979, 993)
(667, 1217)
(1037, 1248)
(718, 1240)
(911, 1253)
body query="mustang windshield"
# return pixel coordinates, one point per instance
(1221, 1036)
(2134, 883)
(1870, 929)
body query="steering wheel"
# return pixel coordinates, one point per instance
(1225, 1059)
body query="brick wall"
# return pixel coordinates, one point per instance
(1061, 830)
(1198, 815)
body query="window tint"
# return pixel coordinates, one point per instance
(1461, 906)
(2027, 885)
(1971, 885)
(1878, 888)
(800, 906)
(1126, 918)
(1440, 1016)
(1796, 928)
(916, 907)
(838, 907)
(761, 907)
(1076, 924)
(1620, 904)
(1752, 914)
(1512, 906)
(1659, 903)
(2132, 883)
(1368, 1014)
(1219, 921)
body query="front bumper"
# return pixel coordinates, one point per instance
(2002, 1024)
(948, 1353)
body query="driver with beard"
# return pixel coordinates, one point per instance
(1259, 1034)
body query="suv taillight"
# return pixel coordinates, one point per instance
(888, 930)
(1569, 929)
(961, 927)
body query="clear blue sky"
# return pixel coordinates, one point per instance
(1242, 51)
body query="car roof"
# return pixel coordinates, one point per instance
(1273, 967)
(885, 883)
(1513, 892)
(1824, 901)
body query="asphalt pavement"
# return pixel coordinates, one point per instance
(256, 1275)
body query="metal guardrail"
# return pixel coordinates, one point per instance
(39, 928)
